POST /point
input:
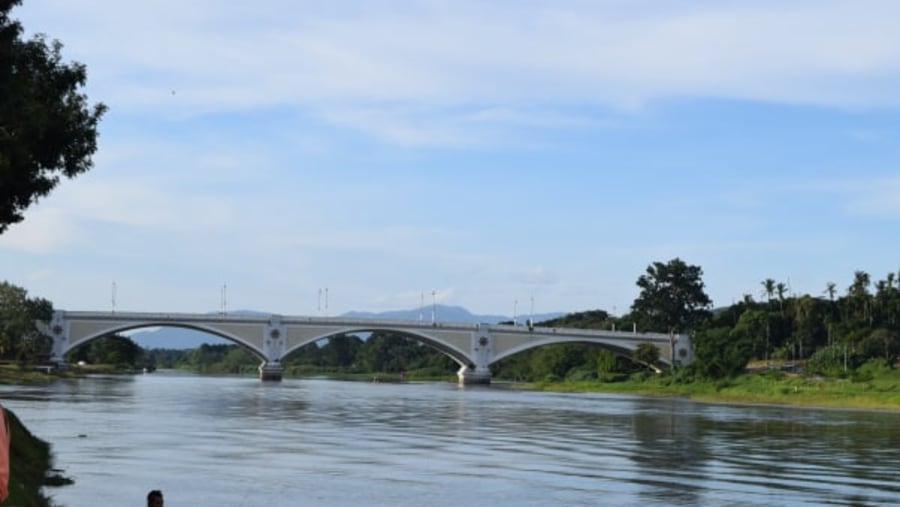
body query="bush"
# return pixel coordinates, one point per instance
(870, 370)
(580, 374)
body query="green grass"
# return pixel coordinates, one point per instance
(880, 391)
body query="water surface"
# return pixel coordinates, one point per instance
(233, 441)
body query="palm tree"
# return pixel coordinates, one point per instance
(859, 292)
(768, 288)
(831, 290)
(781, 289)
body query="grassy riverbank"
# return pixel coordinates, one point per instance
(31, 462)
(869, 391)
(31, 467)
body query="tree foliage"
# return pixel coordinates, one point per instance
(112, 349)
(721, 352)
(47, 128)
(19, 336)
(672, 297)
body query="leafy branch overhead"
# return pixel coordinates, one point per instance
(48, 128)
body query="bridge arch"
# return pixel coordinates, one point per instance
(115, 329)
(619, 349)
(454, 353)
(612, 345)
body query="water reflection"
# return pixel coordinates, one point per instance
(670, 453)
(235, 441)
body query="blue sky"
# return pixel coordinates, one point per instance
(491, 151)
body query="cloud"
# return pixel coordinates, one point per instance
(536, 275)
(45, 229)
(876, 197)
(398, 71)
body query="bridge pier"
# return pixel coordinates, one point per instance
(271, 371)
(477, 376)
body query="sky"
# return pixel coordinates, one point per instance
(504, 156)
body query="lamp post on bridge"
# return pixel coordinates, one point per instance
(433, 307)
(224, 300)
(531, 315)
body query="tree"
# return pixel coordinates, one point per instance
(720, 352)
(47, 128)
(858, 293)
(646, 353)
(19, 335)
(768, 288)
(672, 297)
(831, 290)
(753, 326)
(781, 289)
(341, 350)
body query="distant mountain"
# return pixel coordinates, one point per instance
(174, 338)
(182, 338)
(444, 313)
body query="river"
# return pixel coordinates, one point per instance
(234, 441)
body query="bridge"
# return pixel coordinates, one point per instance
(475, 347)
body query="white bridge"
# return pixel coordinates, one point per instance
(473, 346)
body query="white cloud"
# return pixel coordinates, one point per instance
(395, 69)
(537, 275)
(878, 197)
(44, 230)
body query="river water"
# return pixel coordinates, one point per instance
(234, 441)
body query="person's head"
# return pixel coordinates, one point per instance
(155, 498)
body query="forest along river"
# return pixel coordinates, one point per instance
(234, 441)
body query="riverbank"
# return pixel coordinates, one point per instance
(866, 392)
(31, 462)
(31, 466)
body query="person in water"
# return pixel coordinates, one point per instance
(155, 498)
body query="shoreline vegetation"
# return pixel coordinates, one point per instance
(865, 389)
(774, 388)
(31, 466)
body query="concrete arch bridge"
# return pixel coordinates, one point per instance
(272, 337)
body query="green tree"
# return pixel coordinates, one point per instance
(781, 289)
(753, 326)
(19, 314)
(556, 360)
(646, 353)
(115, 350)
(47, 128)
(768, 288)
(858, 293)
(341, 350)
(720, 352)
(389, 352)
(672, 298)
